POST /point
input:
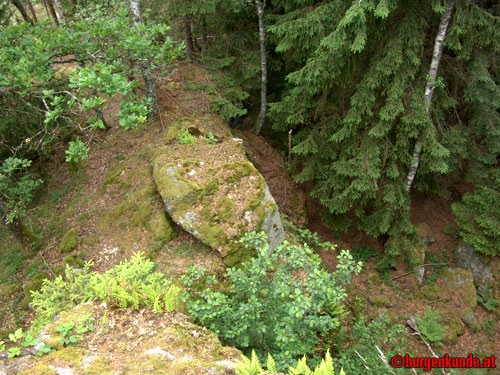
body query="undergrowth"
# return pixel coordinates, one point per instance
(131, 284)
(282, 303)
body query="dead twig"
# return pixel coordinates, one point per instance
(46, 264)
(422, 265)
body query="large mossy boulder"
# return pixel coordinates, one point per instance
(213, 192)
(128, 342)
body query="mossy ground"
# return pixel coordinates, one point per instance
(136, 342)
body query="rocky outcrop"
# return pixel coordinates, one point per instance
(213, 192)
(460, 284)
(129, 343)
(466, 257)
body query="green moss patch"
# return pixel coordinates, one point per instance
(34, 284)
(162, 228)
(69, 242)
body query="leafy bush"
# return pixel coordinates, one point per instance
(16, 190)
(77, 151)
(281, 303)
(366, 336)
(131, 284)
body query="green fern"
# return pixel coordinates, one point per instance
(252, 366)
(130, 284)
(249, 366)
(270, 364)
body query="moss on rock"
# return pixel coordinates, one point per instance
(73, 261)
(217, 198)
(168, 344)
(34, 284)
(225, 209)
(162, 228)
(69, 242)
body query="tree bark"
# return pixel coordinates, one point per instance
(52, 11)
(46, 8)
(24, 14)
(429, 89)
(22, 234)
(205, 34)
(147, 74)
(189, 37)
(32, 10)
(60, 10)
(263, 66)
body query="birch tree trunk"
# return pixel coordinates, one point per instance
(263, 66)
(189, 37)
(32, 10)
(147, 74)
(429, 89)
(60, 10)
(22, 11)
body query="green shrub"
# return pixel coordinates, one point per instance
(366, 337)
(131, 284)
(280, 304)
(16, 188)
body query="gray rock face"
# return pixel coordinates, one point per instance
(459, 282)
(272, 224)
(466, 257)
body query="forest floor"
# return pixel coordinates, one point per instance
(118, 167)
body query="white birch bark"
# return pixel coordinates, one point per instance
(429, 89)
(263, 66)
(60, 10)
(147, 74)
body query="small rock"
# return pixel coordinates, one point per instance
(380, 300)
(64, 371)
(466, 257)
(69, 242)
(159, 351)
(470, 319)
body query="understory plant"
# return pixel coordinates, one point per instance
(281, 303)
(369, 343)
(131, 284)
(252, 366)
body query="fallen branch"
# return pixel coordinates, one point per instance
(422, 265)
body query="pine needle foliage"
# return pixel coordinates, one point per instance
(355, 101)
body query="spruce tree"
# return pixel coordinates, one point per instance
(355, 98)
